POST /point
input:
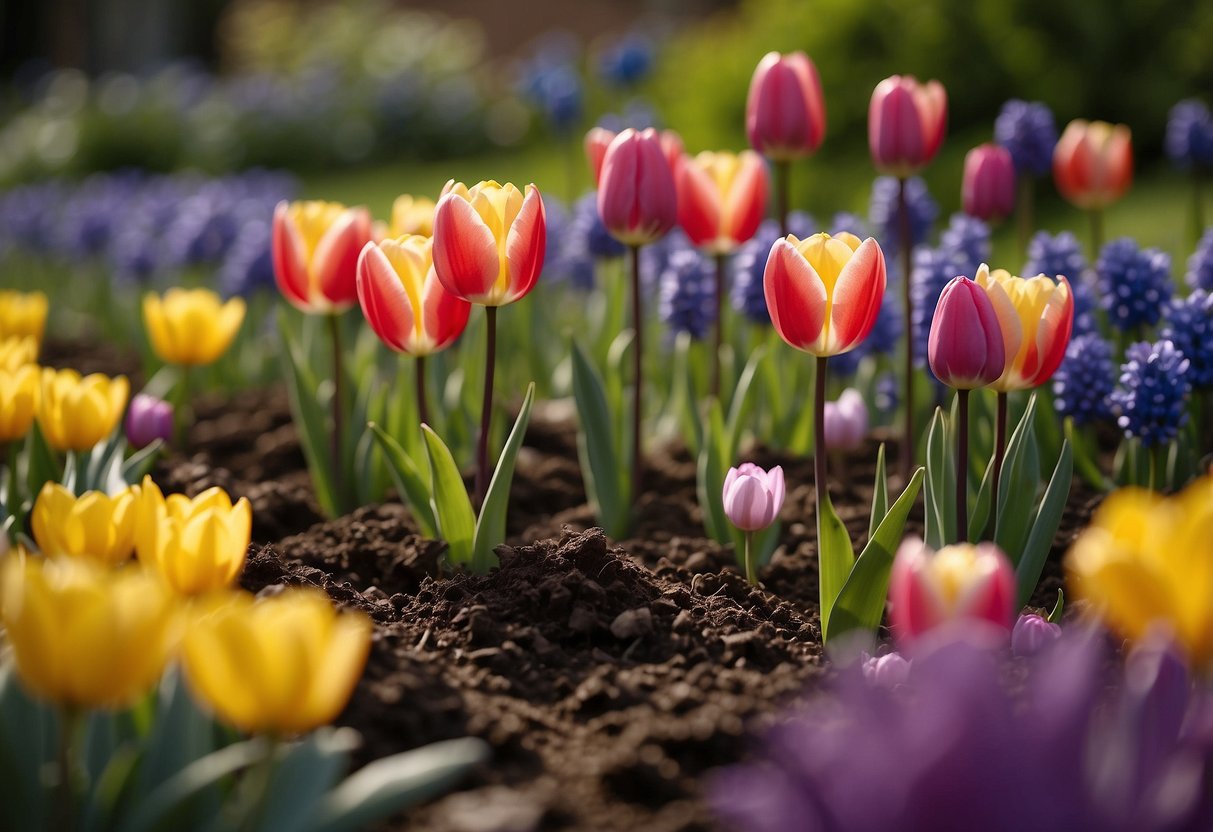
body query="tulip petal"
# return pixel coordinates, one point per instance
(384, 301)
(525, 246)
(466, 257)
(858, 291)
(796, 297)
(746, 199)
(290, 258)
(335, 261)
(698, 204)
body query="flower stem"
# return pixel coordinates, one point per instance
(423, 410)
(334, 321)
(907, 263)
(1000, 450)
(65, 802)
(962, 466)
(783, 172)
(1097, 232)
(183, 413)
(751, 573)
(820, 472)
(1198, 207)
(486, 409)
(719, 325)
(637, 376)
(260, 780)
(1152, 461)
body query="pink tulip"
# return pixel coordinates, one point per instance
(752, 496)
(906, 123)
(315, 249)
(785, 114)
(147, 420)
(489, 241)
(965, 346)
(637, 199)
(846, 421)
(403, 300)
(722, 198)
(1093, 163)
(988, 189)
(965, 581)
(1032, 633)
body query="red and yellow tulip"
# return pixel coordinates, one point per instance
(412, 215)
(824, 292)
(489, 241)
(927, 589)
(1036, 315)
(721, 198)
(403, 300)
(1093, 163)
(315, 249)
(906, 123)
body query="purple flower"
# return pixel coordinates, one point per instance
(1028, 132)
(1200, 264)
(1188, 324)
(885, 214)
(1189, 141)
(1085, 380)
(147, 420)
(1151, 404)
(627, 62)
(887, 671)
(1031, 634)
(967, 239)
(687, 301)
(1134, 284)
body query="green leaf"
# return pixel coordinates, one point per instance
(140, 463)
(490, 526)
(180, 733)
(1044, 529)
(835, 555)
(410, 483)
(303, 774)
(394, 783)
(605, 484)
(742, 403)
(1018, 486)
(710, 471)
(452, 508)
(979, 513)
(937, 496)
(26, 747)
(686, 402)
(880, 494)
(1085, 461)
(1058, 607)
(311, 422)
(861, 602)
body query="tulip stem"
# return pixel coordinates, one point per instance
(719, 328)
(1097, 232)
(820, 471)
(783, 172)
(637, 376)
(260, 780)
(751, 574)
(181, 414)
(907, 262)
(65, 804)
(1198, 207)
(423, 410)
(338, 409)
(1152, 467)
(962, 466)
(1000, 450)
(486, 408)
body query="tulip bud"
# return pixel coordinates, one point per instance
(906, 123)
(785, 115)
(75, 413)
(23, 314)
(721, 199)
(637, 198)
(93, 525)
(19, 392)
(988, 189)
(17, 351)
(752, 496)
(887, 671)
(1093, 163)
(191, 327)
(927, 589)
(965, 346)
(315, 248)
(1031, 633)
(846, 421)
(147, 420)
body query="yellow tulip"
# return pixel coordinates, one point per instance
(23, 314)
(17, 351)
(191, 326)
(1147, 561)
(94, 525)
(412, 215)
(19, 391)
(76, 413)
(282, 665)
(197, 545)
(84, 636)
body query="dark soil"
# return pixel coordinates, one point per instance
(606, 677)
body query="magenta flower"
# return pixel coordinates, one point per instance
(752, 499)
(906, 124)
(637, 198)
(147, 420)
(988, 188)
(965, 347)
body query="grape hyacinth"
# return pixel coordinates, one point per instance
(967, 239)
(1028, 132)
(845, 221)
(1061, 255)
(1200, 264)
(587, 228)
(1189, 141)
(1134, 285)
(1151, 401)
(687, 299)
(749, 264)
(1188, 324)
(1085, 380)
(627, 62)
(933, 268)
(885, 217)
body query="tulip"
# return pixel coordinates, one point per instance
(406, 305)
(279, 666)
(76, 413)
(148, 420)
(1036, 316)
(412, 215)
(752, 499)
(988, 188)
(191, 327)
(721, 200)
(19, 393)
(1031, 634)
(23, 314)
(195, 545)
(489, 244)
(887, 671)
(965, 581)
(1093, 167)
(86, 637)
(906, 123)
(846, 421)
(315, 250)
(93, 525)
(599, 139)
(966, 350)
(1146, 563)
(785, 115)
(17, 351)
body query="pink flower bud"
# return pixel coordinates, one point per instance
(637, 199)
(752, 496)
(988, 189)
(906, 123)
(785, 114)
(147, 420)
(1031, 633)
(846, 421)
(887, 671)
(965, 347)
